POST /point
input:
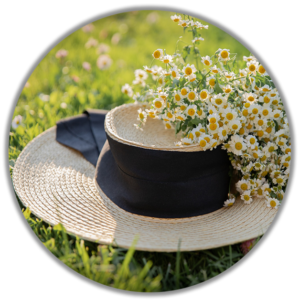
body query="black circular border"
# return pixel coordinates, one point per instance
(236, 34)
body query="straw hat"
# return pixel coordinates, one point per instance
(59, 185)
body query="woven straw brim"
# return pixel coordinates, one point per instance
(57, 184)
(119, 125)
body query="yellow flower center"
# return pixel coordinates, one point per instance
(197, 133)
(183, 91)
(203, 143)
(260, 133)
(245, 112)
(191, 136)
(252, 68)
(224, 132)
(192, 96)
(218, 101)
(261, 69)
(213, 126)
(213, 120)
(183, 107)
(141, 116)
(158, 104)
(246, 198)
(227, 91)
(273, 203)
(169, 115)
(191, 112)
(252, 141)
(177, 97)
(224, 54)
(271, 149)
(156, 54)
(168, 126)
(238, 146)
(174, 74)
(251, 98)
(203, 95)
(276, 115)
(188, 71)
(199, 112)
(235, 127)
(229, 116)
(244, 186)
(265, 112)
(206, 62)
(212, 82)
(260, 122)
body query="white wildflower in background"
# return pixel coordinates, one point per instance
(44, 97)
(88, 28)
(91, 43)
(61, 53)
(102, 48)
(126, 89)
(86, 66)
(104, 62)
(16, 122)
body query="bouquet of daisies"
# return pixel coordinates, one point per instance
(220, 104)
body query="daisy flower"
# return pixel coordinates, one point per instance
(204, 141)
(151, 113)
(230, 201)
(272, 202)
(261, 70)
(197, 39)
(177, 96)
(224, 54)
(237, 145)
(191, 111)
(246, 197)
(158, 103)
(126, 89)
(189, 70)
(142, 116)
(204, 94)
(218, 100)
(184, 92)
(176, 18)
(206, 60)
(186, 141)
(252, 67)
(192, 96)
(167, 59)
(16, 122)
(175, 73)
(215, 70)
(211, 81)
(158, 53)
(184, 23)
(223, 133)
(168, 125)
(180, 116)
(148, 70)
(227, 89)
(140, 74)
(191, 78)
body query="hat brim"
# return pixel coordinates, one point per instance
(57, 184)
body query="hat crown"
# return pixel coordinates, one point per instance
(160, 183)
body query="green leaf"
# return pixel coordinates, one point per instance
(26, 213)
(59, 227)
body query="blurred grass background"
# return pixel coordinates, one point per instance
(61, 87)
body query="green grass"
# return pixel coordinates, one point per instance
(116, 267)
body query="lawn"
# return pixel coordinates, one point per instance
(60, 87)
